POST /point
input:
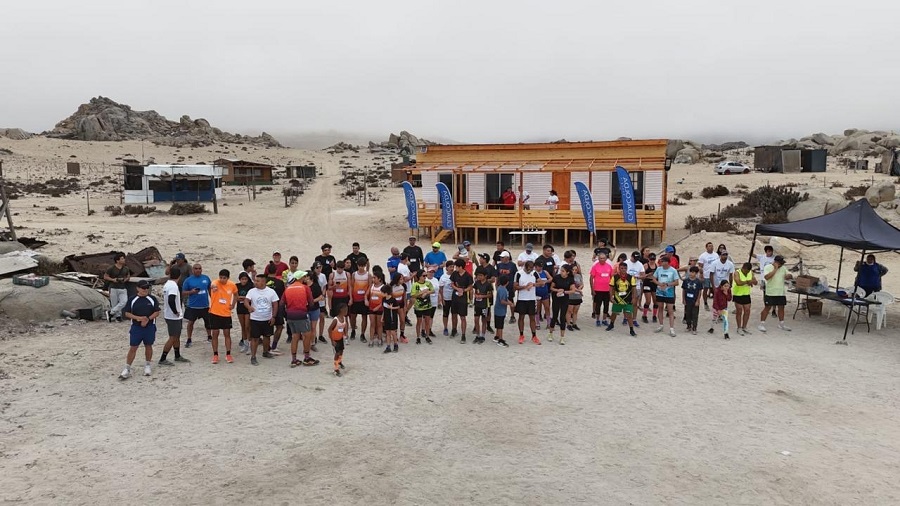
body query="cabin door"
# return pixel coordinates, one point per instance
(562, 183)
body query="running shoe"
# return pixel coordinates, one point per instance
(610, 327)
(655, 319)
(462, 340)
(446, 333)
(147, 370)
(288, 340)
(275, 352)
(784, 327)
(353, 335)
(575, 327)
(521, 339)
(693, 332)
(387, 349)
(118, 319)
(266, 354)
(362, 338)
(747, 332)
(215, 359)
(188, 343)
(229, 358)
(537, 325)
(208, 338)
(166, 362)
(762, 327)
(337, 372)
(372, 343)
(632, 332)
(253, 361)
(313, 348)
(454, 333)
(672, 332)
(604, 321)
(418, 340)
(710, 331)
(403, 339)
(109, 317)
(598, 323)
(726, 336)
(309, 361)
(341, 365)
(489, 329)
(322, 339)
(502, 343)
(428, 340)
(294, 363)
(658, 329)
(740, 331)
(126, 373)
(562, 340)
(396, 348)
(407, 322)
(512, 319)
(182, 360)
(431, 334)
(644, 319)
(550, 337)
(535, 340)
(636, 324)
(568, 327)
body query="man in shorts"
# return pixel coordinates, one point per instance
(262, 302)
(505, 267)
(142, 311)
(196, 288)
(222, 301)
(174, 316)
(326, 259)
(360, 282)
(298, 299)
(524, 283)
(461, 283)
(667, 279)
(774, 298)
(354, 257)
(445, 295)
(622, 287)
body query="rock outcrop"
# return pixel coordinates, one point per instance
(883, 191)
(103, 119)
(819, 201)
(404, 141)
(854, 142)
(16, 134)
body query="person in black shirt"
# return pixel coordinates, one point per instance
(326, 259)
(117, 276)
(498, 254)
(416, 256)
(354, 256)
(482, 289)
(278, 285)
(546, 260)
(561, 287)
(461, 282)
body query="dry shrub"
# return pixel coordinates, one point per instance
(837, 184)
(856, 191)
(113, 210)
(182, 208)
(774, 218)
(738, 211)
(714, 191)
(685, 195)
(676, 202)
(130, 209)
(709, 223)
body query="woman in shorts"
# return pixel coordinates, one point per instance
(390, 316)
(576, 297)
(375, 299)
(542, 293)
(244, 285)
(649, 288)
(424, 310)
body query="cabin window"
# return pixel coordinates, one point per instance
(637, 180)
(495, 185)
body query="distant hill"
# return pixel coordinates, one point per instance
(103, 119)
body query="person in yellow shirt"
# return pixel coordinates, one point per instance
(744, 281)
(222, 300)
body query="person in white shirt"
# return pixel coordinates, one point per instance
(552, 201)
(524, 283)
(636, 269)
(435, 295)
(526, 256)
(767, 258)
(406, 278)
(705, 262)
(723, 270)
(262, 302)
(446, 294)
(173, 313)
(524, 198)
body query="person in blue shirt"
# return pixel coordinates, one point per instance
(142, 311)
(542, 293)
(500, 308)
(196, 289)
(870, 274)
(666, 280)
(436, 259)
(505, 267)
(393, 261)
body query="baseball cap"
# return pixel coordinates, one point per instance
(276, 253)
(529, 246)
(597, 251)
(412, 238)
(143, 284)
(635, 254)
(779, 259)
(485, 256)
(436, 245)
(294, 276)
(504, 254)
(670, 249)
(466, 243)
(179, 256)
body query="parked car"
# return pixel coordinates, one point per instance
(732, 168)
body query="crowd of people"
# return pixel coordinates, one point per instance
(336, 301)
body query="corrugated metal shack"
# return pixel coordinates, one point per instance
(787, 159)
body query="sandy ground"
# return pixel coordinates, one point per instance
(606, 419)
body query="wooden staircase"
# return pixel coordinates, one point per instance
(442, 234)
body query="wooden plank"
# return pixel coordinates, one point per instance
(11, 264)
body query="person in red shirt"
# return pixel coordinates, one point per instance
(298, 299)
(509, 199)
(280, 266)
(600, 276)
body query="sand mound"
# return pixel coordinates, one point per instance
(26, 303)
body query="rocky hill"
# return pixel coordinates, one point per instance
(854, 142)
(404, 141)
(103, 119)
(16, 134)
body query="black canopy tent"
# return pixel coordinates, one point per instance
(856, 227)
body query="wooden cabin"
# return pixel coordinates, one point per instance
(477, 176)
(242, 172)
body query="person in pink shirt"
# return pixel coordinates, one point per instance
(601, 273)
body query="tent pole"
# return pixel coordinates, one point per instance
(840, 264)
(853, 299)
(752, 247)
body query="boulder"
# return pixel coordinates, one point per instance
(673, 147)
(822, 139)
(785, 247)
(394, 140)
(688, 155)
(882, 191)
(8, 246)
(819, 201)
(16, 134)
(26, 303)
(890, 142)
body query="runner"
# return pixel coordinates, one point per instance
(547, 261)
(606, 247)
(542, 294)
(497, 256)
(406, 275)
(262, 302)
(505, 267)
(436, 259)
(375, 298)
(298, 300)
(722, 270)
(223, 298)
(562, 286)
(705, 262)
(415, 254)
(196, 288)
(244, 285)
(622, 287)
(502, 305)
(338, 288)
(400, 295)
(275, 283)
(744, 281)
(289, 276)
(445, 296)
(280, 266)
(173, 314)
(636, 270)
(142, 311)
(649, 287)
(721, 297)
(526, 256)
(575, 298)
(600, 276)
(183, 267)
(490, 276)
(482, 292)
(319, 287)
(354, 257)
(666, 280)
(327, 261)
(391, 316)
(774, 298)
(421, 297)
(691, 291)
(338, 331)
(116, 277)
(462, 282)
(435, 298)
(524, 283)
(393, 261)
(360, 282)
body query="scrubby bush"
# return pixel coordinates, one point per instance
(113, 210)
(772, 199)
(676, 202)
(856, 191)
(714, 191)
(685, 195)
(738, 211)
(182, 208)
(709, 223)
(130, 209)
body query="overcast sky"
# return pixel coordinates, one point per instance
(485, 71)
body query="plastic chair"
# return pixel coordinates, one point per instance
(860, 293)
(879, 311)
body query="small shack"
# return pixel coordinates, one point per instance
(242, 172)
(787, 159)
(301, 171)
(145, 184)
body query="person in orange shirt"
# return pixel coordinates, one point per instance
(337, 331)
(360, 281)
(375, 297)
(222, 300)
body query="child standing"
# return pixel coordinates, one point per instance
(500, 308)
(481, 293)
(720, 306)
(390, 318)
(337, 331)
(691, 292)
